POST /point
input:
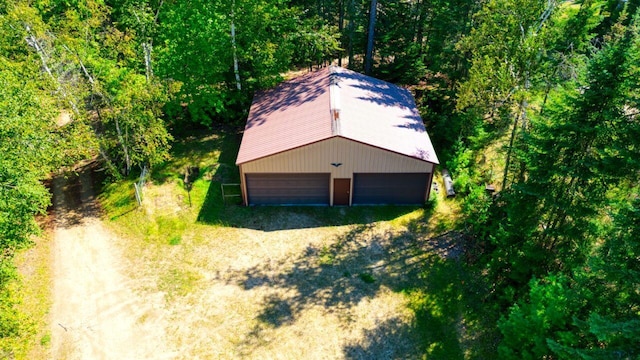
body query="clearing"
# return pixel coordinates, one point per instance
(188, 279)
(295, 282)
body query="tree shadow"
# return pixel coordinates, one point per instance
(194, 149)
(74, 195)
(357, 266)
(380, 92)
(414, 122)
(385, 94)
(385, 98)
(392, 339)
(275, 218)
(276, 311)
(291, 93)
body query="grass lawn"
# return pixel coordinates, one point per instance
(295, 282)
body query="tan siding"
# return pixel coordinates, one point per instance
(355, 157)
(243, 186)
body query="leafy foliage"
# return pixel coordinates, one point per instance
(542, 316)
(553, 84)
(31, 146)
(197, 52)
(28, 149)
(591, 139)
(133, 123)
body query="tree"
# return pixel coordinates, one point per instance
(315, 43)
(32, 145)
(131, 127)
(507, 47)
(591, 315)
(368, 58)
(504, 45)
(570, 46)
(198, 52)
(591, 137)
(29, 152)
(545, 314)
(92, 65)
(580, 153)
(612, 325)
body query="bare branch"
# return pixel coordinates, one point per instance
(33, 42)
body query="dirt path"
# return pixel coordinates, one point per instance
(97, 312)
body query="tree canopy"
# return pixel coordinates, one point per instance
(552, 85)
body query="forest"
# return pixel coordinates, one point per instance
(539, 97)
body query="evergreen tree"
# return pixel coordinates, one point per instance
(583, 148)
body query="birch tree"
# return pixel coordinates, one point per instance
(236, 70)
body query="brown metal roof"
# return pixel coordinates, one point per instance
(335, 102)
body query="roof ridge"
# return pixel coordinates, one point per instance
(334, 102)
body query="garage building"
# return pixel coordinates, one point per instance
(335, 137)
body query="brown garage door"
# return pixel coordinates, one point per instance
(393, 188)
(288, 189)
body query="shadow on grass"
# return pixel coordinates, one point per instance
(274, 218)
(214, 154)
(392, 339)
(360, 265)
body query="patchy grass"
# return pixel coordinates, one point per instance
(491, 161)
(295, 282)
(175, 240)
(178, 282)
(34, 291)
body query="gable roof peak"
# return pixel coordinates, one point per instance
(335, 102)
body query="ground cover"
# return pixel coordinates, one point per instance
(291, 282)
(193, 277)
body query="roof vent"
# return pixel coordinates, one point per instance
(334, 96)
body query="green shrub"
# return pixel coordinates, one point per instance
(368, 278)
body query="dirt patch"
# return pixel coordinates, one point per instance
(97, 311)
(314, 292)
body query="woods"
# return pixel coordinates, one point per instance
(539, 97)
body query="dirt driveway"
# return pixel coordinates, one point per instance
(96, 311)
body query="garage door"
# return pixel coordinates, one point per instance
(394, 188)
(288, 189)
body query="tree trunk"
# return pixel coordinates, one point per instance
(352, 15)
(419, 30)
(340, 27)
(236, 71)
(147, 48)
(125, 148)
(368, 59)
(509, 150)
(33, 42)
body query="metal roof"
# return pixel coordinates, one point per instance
(335, 102)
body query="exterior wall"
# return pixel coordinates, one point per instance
(243, 186)
(355, 157)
